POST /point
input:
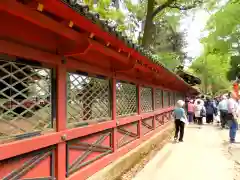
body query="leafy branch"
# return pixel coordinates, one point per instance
(174, 4)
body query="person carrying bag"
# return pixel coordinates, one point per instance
(180, 120)
(200, 112)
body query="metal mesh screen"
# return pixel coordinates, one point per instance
(146, 99)
(25, 100)
(126, 99)
(165, 99)
(88, 99)
(158, 98)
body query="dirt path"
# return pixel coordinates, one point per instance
(204, 154)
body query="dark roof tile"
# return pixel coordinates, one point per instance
(83, 10)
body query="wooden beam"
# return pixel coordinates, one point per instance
(35, 17)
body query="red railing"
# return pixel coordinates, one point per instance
(94, 118)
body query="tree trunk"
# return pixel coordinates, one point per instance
(147, 35)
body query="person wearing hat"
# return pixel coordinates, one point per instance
(180, 120)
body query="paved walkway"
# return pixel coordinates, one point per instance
(204, 155)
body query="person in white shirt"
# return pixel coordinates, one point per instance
(196, 103)
(232, 116)
(201, 101)
(199, 111)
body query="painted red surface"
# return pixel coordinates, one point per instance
(147, 125)
(236, 89)
(33, 35)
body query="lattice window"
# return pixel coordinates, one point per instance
(172, 95)
(173, 98)
(165, 99)
(88, 99)
(146, 99)
(158, 98)
(25, 100)
(179, 96)
(126, 99)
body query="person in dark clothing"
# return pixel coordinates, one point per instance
(210, 110)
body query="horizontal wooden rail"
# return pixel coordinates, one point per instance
(11, 149)
(98, 165)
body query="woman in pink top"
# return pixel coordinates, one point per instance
(190, 111)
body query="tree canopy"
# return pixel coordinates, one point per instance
(154, 24)
(219, 63)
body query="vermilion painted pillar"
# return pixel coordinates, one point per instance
(153, 100)
(174, 98)
(60, 166)
(162, 99)
(169, 99)
(114, 114)
(139, 110)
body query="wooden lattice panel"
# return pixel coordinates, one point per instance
(126, 99)
(147, 125)
(179, 96)
(166, 117)
(165, 99)
(25, 99)
(146, 96)
(88, 99)
(158, 99)
(159, 120)
(85, 150)
(127, 133)
(35, 165)
(172, 97)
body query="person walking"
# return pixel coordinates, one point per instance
(180, 120)
(190, 111)
(210, 110)
(201, 100)
(199, 111)
(232, 116)
(223, 109)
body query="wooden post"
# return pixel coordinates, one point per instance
(153, 100)
(61, 121)
(139, 110)
(114, 114)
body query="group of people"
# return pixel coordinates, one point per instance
(227, 108)
(201, 107)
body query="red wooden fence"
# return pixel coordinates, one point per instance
(69, 105)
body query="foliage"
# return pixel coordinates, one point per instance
(169, 60)
(224, 29)
(235, 68)
(106, 10)
(151, 23)
(220, 62)
(212, 69)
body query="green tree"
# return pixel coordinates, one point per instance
(212, 69)
(157, 22)
(219, 64)
(159, 8)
